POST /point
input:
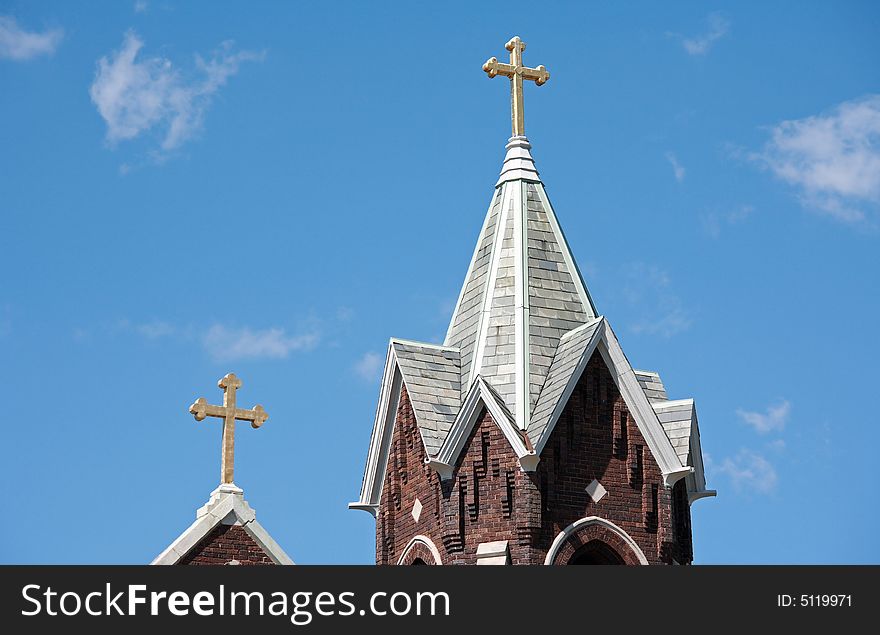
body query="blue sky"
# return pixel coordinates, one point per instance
(276, 189)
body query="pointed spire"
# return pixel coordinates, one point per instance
(522, 292)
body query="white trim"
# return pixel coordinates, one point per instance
(592, 520)
(383, 427)
(467, 276)
(425, 541)
(495, 552)
(228, 507)
(641, 409)
(480, 394)
(706, 493)
(569, 388)
(436, 347)
(567, 256)
(521, 307)
(486, 309)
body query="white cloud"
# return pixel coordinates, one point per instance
(648, 288)
(749, 472)
(18, 44)
(714, 221)
(833, 159)
(225, 343)
(774, 418)
(135, 95)
(141, 6)
(155, 330)
(700, 45)
(369, 366)
(677, 168)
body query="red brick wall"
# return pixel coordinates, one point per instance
(226, 543)
(597, 438)
(490, 498)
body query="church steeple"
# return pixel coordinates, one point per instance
(522, 291)
(529, 414)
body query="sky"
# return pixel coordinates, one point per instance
(276, 189)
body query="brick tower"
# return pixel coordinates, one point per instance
(527, 437)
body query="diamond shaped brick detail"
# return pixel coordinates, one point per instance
(417, 510)
(596, 491)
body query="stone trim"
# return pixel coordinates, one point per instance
(591, 528)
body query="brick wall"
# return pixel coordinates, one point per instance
(224, 544)
(490, 498)
(597, 438)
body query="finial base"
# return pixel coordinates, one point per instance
(518, 163)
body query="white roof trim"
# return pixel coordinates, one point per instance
(522, 358)
(480, 394)
(696, 481)
(226, 506)
(486, 309)
(467, 276)
(643, 413)
(383, 427)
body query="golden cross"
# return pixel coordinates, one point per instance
(517, 73)
(229, 413)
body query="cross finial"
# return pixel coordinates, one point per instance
(229, 413)
(517, 73)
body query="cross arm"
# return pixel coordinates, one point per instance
(201, 409)
(493, 67)
(257, 416)
(539, 75)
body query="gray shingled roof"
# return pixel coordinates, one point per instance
(652, 385)
(676, 418)
(570, 352)
(432, 376)
(481, 340)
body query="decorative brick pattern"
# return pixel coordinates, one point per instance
(490, 498)
(225, 544)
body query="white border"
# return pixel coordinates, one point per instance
(425, 541)
(592, 520)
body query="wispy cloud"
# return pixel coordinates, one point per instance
(648, 289)
(714, 221)
(749, 472)
(833, 159)
(677, 168)
(226, 343)
(369, 366)
(718, 26)
(135, 95)
(141, 6)
(18, 44)
(772, 419)
(151, 330)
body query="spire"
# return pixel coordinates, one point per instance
(522, 291)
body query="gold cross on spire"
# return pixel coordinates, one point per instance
(229, 413)
(517, 73)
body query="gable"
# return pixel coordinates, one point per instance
(225, 526)
(227, 544)
(605, 342)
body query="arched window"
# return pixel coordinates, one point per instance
(596, 552)
(594, 540)
(418, 562)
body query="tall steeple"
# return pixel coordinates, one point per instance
(529, 414)
(523, 290)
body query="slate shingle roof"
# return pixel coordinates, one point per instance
(536, 296)
(432, 376)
